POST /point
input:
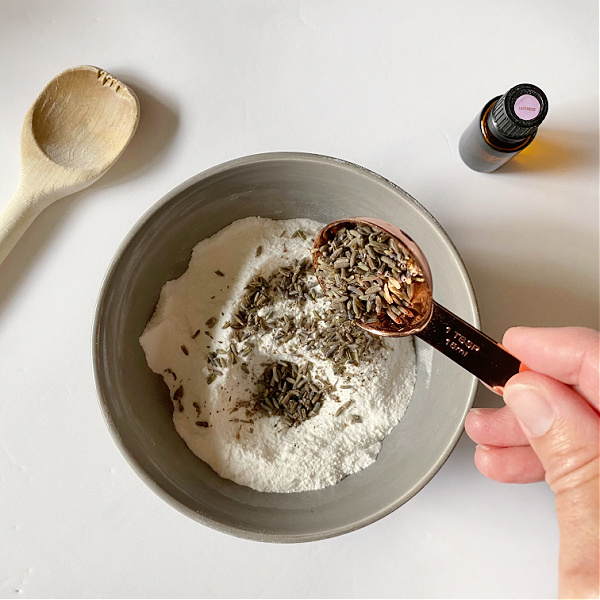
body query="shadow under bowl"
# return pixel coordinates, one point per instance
(136, 402)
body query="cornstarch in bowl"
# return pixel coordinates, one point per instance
(272, 386)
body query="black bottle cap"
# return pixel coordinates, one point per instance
(517, 114)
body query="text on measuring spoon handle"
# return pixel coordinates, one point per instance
(460, 343)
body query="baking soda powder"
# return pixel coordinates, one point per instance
(263, 453)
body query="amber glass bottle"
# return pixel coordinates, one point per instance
(505, 126)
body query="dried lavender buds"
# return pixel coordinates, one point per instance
(288, 391)
(318, 326)
(327, 332)
(369, 276)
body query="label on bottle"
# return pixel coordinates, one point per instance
(527, 107)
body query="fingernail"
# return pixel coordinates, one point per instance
(477, 411)
(531, 408)
(482, 447)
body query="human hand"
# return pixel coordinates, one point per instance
(549, 429)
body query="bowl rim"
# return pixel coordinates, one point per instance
(138, 468)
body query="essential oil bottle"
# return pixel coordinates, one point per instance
(506, 125)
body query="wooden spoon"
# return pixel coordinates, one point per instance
(73, 133)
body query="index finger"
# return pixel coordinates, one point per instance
(569, 354)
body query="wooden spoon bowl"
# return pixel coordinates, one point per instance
(73, 133)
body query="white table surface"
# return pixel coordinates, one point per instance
(387, 84)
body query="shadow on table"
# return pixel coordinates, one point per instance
(158, 124)
(555, 150)
(159, 121)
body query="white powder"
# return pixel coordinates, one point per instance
(266, 455)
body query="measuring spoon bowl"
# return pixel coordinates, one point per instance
(470, 348)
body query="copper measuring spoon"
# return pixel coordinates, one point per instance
(434, 324)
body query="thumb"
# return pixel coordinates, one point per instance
(560, 425)
(562, 428)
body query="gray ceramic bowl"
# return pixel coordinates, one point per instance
(136, 402)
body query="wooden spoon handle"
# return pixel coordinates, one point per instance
(16, 217)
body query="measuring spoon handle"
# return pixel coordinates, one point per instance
(470, 348)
